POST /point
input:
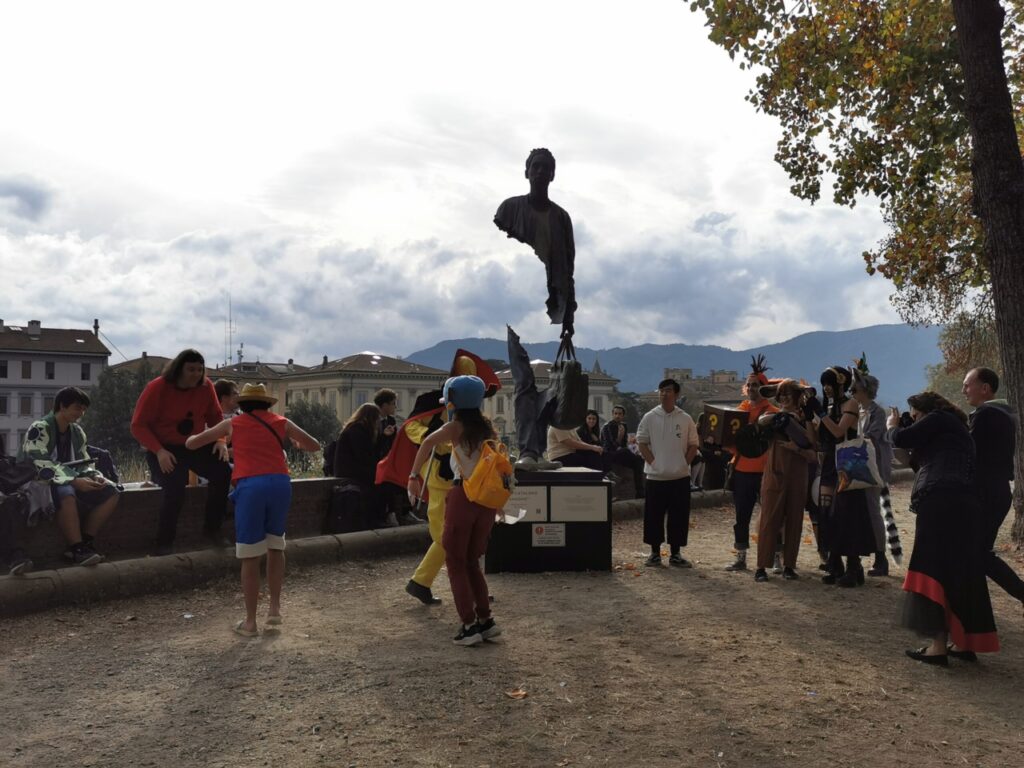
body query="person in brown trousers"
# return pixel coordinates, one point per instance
(784, 484)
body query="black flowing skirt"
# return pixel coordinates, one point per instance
(848, 531)
(946, 584)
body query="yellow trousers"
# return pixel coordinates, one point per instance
(431, 563)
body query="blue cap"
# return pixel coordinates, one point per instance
(463, 392)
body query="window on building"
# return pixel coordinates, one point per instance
(288, 398)
(21, 437)
(25, 408)
(51, 370)
(26, 369)
(332, 400)
(599, 403)
(86, 372)
(3, 369)
(3, 405)
(3, 443)
(361, 397)
(48, 404)
(499, 404)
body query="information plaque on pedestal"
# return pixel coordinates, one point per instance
(565, 524)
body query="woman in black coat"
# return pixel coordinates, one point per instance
(946, 592)
(355, 458)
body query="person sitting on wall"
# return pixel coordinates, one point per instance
(616, 444)
(227, 395)
(177, 404)
(57, 445)
(565, 446)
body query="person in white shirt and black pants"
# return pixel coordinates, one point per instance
(667, 439)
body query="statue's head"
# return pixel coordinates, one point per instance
(543, 161)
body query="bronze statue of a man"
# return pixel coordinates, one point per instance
(535, 220)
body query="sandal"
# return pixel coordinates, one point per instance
(275, 621)
(239, 629)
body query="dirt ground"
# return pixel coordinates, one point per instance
(656, 667)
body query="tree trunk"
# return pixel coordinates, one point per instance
(999, 183)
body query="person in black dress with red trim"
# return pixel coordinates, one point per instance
(946, 591)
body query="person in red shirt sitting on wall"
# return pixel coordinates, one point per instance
(179, 403)
(262, 495)
(747, 472)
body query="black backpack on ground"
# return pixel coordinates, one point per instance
(345, 513)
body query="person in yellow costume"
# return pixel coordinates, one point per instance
(428, 416)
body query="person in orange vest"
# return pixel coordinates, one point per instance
(748, 472)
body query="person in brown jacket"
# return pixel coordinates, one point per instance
(784, 485)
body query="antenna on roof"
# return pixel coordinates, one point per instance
(229, 333)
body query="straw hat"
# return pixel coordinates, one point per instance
(257, 392)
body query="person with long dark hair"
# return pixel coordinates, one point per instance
(355, 459)
(467, 525)
(179, 403)
(848, 531)
(946, 591)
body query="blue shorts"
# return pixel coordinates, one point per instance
(261, 508)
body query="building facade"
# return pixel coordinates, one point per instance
(35, 364)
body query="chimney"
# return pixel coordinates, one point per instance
(34, 329)
(325, 361)
(96, 327)
(291, 363)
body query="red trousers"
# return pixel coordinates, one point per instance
(467, 527)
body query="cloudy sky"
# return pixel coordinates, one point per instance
(335, 168)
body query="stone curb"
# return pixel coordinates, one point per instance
(43, 590)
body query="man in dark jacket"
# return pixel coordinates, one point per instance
(993, 428)
(615, 441)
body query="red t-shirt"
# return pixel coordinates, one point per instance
(257, 452)
(163, 410)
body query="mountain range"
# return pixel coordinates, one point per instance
(897, 354)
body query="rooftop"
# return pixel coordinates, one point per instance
(34, 338)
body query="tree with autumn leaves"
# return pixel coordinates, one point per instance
(911, 102)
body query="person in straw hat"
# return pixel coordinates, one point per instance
(262, 494)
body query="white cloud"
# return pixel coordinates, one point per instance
(336, 168)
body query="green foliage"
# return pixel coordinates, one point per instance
(967, 341)
(870, 94)
(318, 420)
(107, 423)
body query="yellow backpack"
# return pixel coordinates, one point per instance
(491, 481)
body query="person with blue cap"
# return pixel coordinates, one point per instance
(467, 525)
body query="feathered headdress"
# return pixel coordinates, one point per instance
(863, 378)
(759, 367)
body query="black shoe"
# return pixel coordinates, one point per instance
(216, 539)
(790, 574)
(739, 565)
(19, 564)
(881, 565)
(760, 575)
(829, 578)
(653, 559)
(488, 629)
(408, 518)
(83, 554)
(421, 593)
(679, 561)
(851, 579)
(941, 660)
(468, 636)
(163, 549)
(962, 655)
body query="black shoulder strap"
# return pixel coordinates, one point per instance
(272, 430)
